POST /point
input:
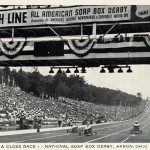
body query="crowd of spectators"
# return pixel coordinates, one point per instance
(15, 103)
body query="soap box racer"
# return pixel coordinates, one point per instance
(136, 128)
(74, 129)
(87, 130)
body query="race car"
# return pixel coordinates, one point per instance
(74, 129)
(87, 131)
(101, 119)
(136, 128)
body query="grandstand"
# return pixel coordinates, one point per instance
(16, 103)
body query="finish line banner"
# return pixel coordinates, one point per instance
(66, 15)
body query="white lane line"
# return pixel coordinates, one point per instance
(38, 138)
(125, 140)
(108, 135)
(144, 126)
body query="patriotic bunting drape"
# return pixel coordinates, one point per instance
(147, 41)
(11, 48)
(81, 47)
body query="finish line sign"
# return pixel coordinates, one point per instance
(66, 15)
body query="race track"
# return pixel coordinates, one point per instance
(118, 132)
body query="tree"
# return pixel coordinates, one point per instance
(13, 75)
(64, 90)
(22, 80)
(75, 79)
(34, 81)
(6, 75)
(48, 88)
(139, 95)
(75, 92)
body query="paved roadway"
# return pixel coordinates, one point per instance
(118, 132)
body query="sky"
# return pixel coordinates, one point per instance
(132, 83)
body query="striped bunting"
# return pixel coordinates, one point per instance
(80, 47)
(11, 48)
(113, 45)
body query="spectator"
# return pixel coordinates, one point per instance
(59, 121)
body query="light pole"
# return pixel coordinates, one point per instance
(117, 101)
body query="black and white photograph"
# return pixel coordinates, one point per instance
(75, 74)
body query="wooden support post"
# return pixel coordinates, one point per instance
(81, 31)
(110, 29)
(13, 30)
(55, 33)
(94, 30)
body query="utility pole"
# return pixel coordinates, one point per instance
(125, 105)
(116, 108)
